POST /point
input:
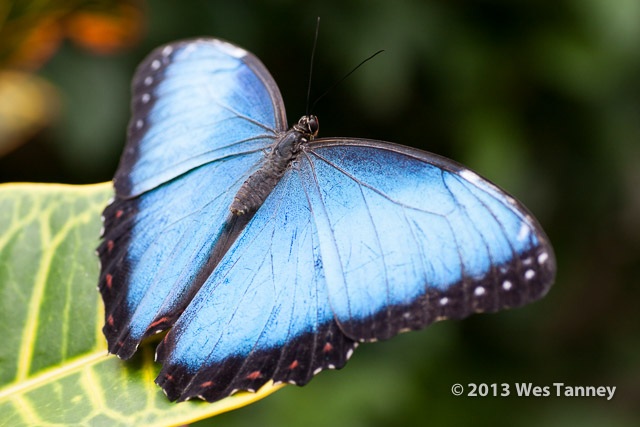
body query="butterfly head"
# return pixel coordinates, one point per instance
(308, 125)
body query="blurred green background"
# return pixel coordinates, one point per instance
(542, 98)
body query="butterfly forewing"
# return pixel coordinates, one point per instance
(408, 237)
(195, 102)
(203, 112)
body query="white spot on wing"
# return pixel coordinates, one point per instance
(145, 98)
(155, 64)
(470, 176)
(479, 291)
(524, 232)
(506, 285)
(349, 353)
(317, 371)
(444, 301)
(148, 80)
(139, 124)
(167, 50)
(543, 257)
(331, 366)
(529, 274)
(527, 261)
(230, 49)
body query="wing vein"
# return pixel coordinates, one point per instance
(384, 263)
(371, 187)
(326, 215)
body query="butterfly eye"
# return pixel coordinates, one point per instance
(313, 125)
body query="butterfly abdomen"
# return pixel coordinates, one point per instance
(259, 185)
(254, 191)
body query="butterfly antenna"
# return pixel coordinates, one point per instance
(313, 54)
(342, 79)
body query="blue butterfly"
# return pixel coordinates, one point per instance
(271, 253)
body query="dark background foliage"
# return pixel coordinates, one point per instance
(542, 98)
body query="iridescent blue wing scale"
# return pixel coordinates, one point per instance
(263, 314)
(203, 113)
(409, 237)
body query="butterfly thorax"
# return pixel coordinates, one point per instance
(259, 185)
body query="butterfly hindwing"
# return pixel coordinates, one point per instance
(361, 240)
(264, 312)
(203, 112)
(408, 237)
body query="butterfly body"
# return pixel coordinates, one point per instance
(270, 253)
(259, 185)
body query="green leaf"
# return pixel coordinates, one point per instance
(54, 366)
